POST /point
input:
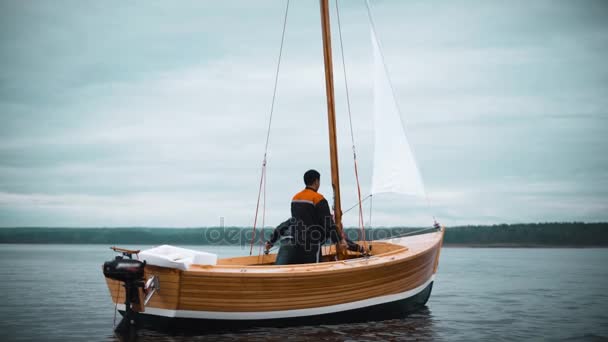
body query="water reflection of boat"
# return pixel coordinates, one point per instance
(183, 288)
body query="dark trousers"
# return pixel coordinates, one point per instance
(290, 253)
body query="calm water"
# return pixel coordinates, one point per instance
(57, 292)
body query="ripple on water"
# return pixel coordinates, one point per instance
(57, 293)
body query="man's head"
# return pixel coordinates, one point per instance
(312, 179)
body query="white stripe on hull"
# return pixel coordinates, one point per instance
(283, 313)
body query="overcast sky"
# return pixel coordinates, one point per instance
(155, 113)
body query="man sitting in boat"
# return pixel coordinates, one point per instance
(310, 225)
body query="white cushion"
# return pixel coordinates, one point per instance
(176, 257)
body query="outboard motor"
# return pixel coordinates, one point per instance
(122, 269)
(131, 273)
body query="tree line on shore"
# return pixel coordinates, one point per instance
(575, 234)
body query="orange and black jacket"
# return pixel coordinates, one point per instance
(313, 220)
(310, 222)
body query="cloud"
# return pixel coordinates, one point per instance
(123, 115)
(141, 209)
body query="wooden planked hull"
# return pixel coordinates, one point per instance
(389, 310)
(395, 280)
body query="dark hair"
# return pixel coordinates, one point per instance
(311, 176)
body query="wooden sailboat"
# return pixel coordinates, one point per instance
(195, 289)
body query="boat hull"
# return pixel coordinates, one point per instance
(250, 291)
(387, 310)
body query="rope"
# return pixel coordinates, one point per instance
(364, 238)
(257, 206)
(353, 207)
(264, 162)
(352, 135)
(370, 211)
(276, 78)
(414, 232)
(350, 121)
(263, 216)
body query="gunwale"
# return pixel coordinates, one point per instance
(411, 248)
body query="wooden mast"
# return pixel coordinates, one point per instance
(331, 117)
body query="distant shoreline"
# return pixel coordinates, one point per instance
(530, 235)
(450, 246)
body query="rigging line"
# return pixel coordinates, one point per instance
(353, 207)
(257, 207)
(274, 95)
(264, 209)
(360, 207)
(263, 215)
(370, 211)
(413, 232)
(276, 79)
(374, 31)
(350, 121)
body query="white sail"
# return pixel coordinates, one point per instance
(394, 168)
